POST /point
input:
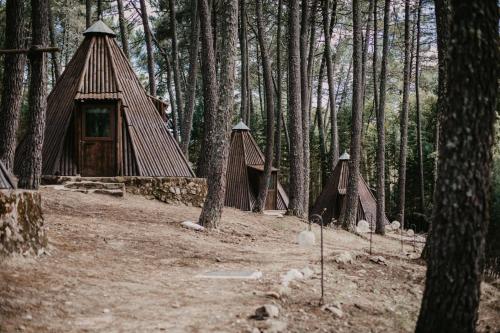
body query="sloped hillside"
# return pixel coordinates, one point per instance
(127, 265)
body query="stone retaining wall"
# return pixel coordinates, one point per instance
(172, 190)
(21, 223)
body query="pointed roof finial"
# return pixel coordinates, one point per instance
(99, 28)
(241, 126)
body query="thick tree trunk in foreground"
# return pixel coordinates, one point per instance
(296, 193)
(321, 131)
(218, 148)
(404, 119)
(12, 84)
(179, 99)
(187, 123)
(279, 91)
(462, 199)
(268, 88)
(380, 219)
(31, 168)
(349, 214)
(419, 122)
(149, 48)
(123, 28)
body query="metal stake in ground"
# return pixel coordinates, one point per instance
(370, 218)
(319, 219)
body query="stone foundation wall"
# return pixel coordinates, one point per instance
(21, 223)
(172, 190)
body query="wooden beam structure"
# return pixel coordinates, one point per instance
(30, 50)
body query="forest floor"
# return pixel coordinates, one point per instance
(127, 265)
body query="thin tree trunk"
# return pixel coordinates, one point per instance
(296, 205)
(304, 55)
(88, 13)
(218, 148)
(380, 218)
(149, 48)
(123, 28)
(375, 57)
(279, 94)
(404, 119)
(12, 84)
(349, 214)
(268, 88)
(99, 9)
(175, 62)
(31, 168)
(462, 198)
(334, 149)
(417, 102)
(55, 63)
(322, 145)
(187, 124)
(244, 62)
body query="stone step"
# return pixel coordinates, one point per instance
(90, 185)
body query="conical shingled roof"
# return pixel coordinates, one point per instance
(99, 70)
(331, 199)
(244, 153)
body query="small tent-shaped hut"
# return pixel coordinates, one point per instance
(7, 181)
(100, 120)
(245, 166)
(332, 198)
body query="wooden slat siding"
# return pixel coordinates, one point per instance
(100, 71)
(335, 190)
(254, 156)
(6, 179)
(66, 164)
(237, 193)
(154, 145)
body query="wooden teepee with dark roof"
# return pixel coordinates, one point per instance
(101, 121)
(245, 166)
(332, 199)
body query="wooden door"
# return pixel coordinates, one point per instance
(271, 193)
(97, 153)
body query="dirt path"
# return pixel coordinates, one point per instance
(126, 265)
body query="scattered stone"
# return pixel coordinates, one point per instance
(306, 238)
(291, 275)
(273, 294)
(275, 326)
(193, 226)
(307, 272)
(410, 232)
(106, 311)
(266, 311)
(335, 309)
(378, 260)
(27, 316)
(345, 257)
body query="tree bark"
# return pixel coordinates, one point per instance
(334, 158)
(12, 83)
(123, 28)
(268, 88)
(244, 62)
(322, 145)
(404, 119)
(417, 104)
(187, 124)
(99, 9)
(218, 149)
(296, 205)
(55, 63)
(149, 48)
(31, 167)
(349, 214)
(175, 62)
(375, 57)
(88, 13)
(279, 92)
(462, 197)
(380, 218)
